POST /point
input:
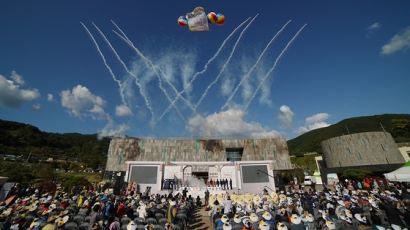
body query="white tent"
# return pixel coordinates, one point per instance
(401, 174)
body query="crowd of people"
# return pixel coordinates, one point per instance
(88, 208)
(345, 207)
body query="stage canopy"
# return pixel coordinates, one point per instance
(401, 174)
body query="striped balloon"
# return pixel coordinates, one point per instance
(212, 17)
(182, 21)
(220, 19)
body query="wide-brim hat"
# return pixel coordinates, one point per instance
(347, 219)
(45, 212)
(282, 197)
(330, 225)
(341, 203)
(267, 216)
(274, 195)
(6, 213)
(227, 226)
(254, 218)
(225, 219)
(60, 221)
(172, 202)
(295, 219)
(36, 222)
(65, 212)
(256, 199)
(281, 226)
(32, 208)
(360, 218)
(246, 222)
(308, 218)
(131, 225)
(263, 225)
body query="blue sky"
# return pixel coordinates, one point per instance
(351, 59)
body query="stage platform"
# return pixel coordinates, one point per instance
(196, 191)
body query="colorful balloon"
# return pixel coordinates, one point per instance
(220, 19)
(212, 17)
(182, 21)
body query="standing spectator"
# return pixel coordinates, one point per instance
(206, 197)
(230, 183)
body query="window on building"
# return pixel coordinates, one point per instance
(234, 154)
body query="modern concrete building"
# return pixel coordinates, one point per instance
(249, 163)
(375, 151)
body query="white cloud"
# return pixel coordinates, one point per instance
(80, 103)
(315, 121)
(227, 86)
(17, 78)
(11, 95)
(36, 107)
(399, 42)
(123, 111)
(50, 97)
(374, 27)
(227, 123)
(113, 130)
(286, 116)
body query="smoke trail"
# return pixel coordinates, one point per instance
(204, 69)
(274, 66)
(106, 64)
(147, 102)
(246, 76)
(225, 64)
(124, 37)
(152, 66)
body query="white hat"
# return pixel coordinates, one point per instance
(172, 202)
(360, 218)
(395, 227)
(131, 225)
(331, 225)
(295, 219)
(253, 217)
(267, 216)
(263, 225)
(225, 219)
(227, 226)
(237, 219)
(308, 218)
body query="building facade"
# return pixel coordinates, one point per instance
(239, 160)
(374, 150)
